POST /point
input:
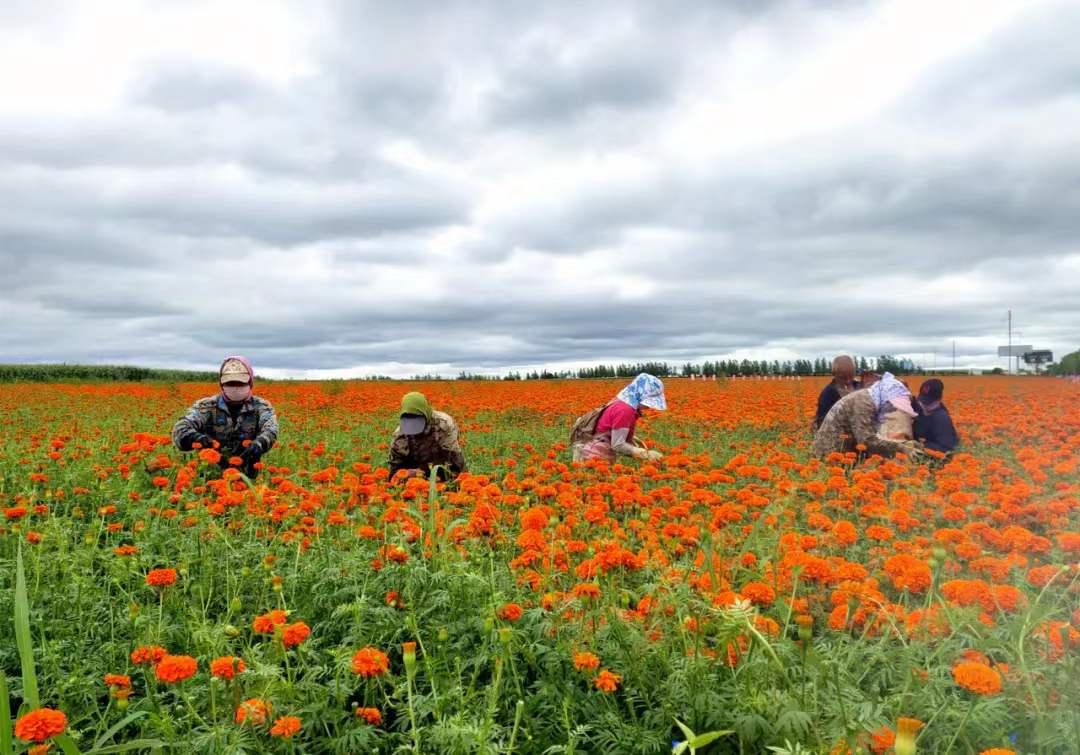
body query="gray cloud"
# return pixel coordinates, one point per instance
(497, 185)
(185, 85)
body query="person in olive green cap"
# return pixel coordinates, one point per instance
(423, 439)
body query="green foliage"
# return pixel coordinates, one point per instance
(1069, 365)
(81, 610)
(80, 373)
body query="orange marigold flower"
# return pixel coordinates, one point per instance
(877, 532)
(1040, 576)
(125, 550)
(253, 711)
(210, 456)
(285, 727)
(586, 661)
(227, 667)
(510, 612)
(998, 751)
(41, 749)
(606, 681)
(371, 715)
(175, 668)
(758, 593)
(118, 680)
(148, 654)
(1069, 541)
(882, 740)
(267, 622)
(369, 662)
(587, 590)
(295, 633)
(161, 577)
(845, 532)
(41, 724)
(977, 677)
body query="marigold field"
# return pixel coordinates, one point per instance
(736, 597)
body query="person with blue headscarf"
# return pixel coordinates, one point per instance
(608, 432)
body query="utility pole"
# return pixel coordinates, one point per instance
(1010, 342)
(954, 355)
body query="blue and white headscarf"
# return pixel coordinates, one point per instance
(884, 391)
(646, 390)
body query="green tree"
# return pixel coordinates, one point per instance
(1069, 365)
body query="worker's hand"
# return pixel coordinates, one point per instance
(915, 452)
(251, 454)
(204, 441)
(653, 456)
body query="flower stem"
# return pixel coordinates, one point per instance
(956, 734)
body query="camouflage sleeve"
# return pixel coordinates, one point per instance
(193, 423)
(398, 453)
(450, 443)
(268, 426)
(864, 431)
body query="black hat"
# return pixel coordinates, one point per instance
(931, 390)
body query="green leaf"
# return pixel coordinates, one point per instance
(709, 737)
(685, 730)
(22, 635)
(5, 718)
(117, 727)
(135, 744)
(680, 748)
(67, 744)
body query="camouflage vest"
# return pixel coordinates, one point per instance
(231, 433)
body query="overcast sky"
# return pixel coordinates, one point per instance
(338, 188)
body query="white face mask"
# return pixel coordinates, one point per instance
(236, 393)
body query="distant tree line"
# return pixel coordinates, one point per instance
(1069, 365)
(60, 373)
(64, 373)
(720, 368)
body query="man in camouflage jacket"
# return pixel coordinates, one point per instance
(852, 422)
(425, 438)
(231, 418)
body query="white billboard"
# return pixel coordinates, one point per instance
(1014, 351)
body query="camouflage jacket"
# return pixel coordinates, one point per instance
(851, 423)
(210, 416)
(438, 444)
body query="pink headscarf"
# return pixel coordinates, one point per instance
(238, 395)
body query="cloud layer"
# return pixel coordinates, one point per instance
(354, 188)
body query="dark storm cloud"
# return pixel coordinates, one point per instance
(493, 185)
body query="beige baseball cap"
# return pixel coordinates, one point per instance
(234, 371)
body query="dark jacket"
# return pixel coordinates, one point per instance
(254, 420)
(935, 429)
(828, 397)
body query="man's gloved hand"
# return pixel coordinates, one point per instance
(204, 441)
(915, 452)
(252, 453)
